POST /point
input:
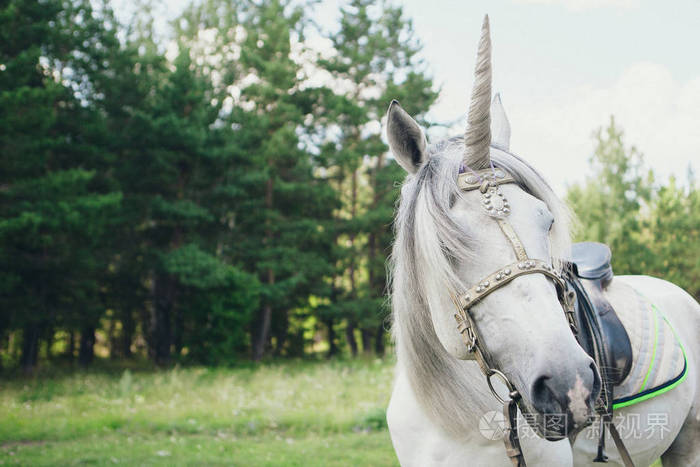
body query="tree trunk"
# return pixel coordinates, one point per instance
(128, 329)
(371, 255)
(366, 335)
(265, 315)
(377, 277)
(113, 340)
(350, 329)
(282, 331)
(379, 345)
(86, 354)
(332, 346)
(164, 298)
(49, 342)
(30, 347)
(264, 319)
(147, 317)
(179, 330)
(353, 213)
(263, 332)
(70, 353)
(350, 336)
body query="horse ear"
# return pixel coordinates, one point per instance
(500, 128)
(406, 138)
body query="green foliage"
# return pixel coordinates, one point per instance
(217, 202)
(55, 204)
(196, 206)
(375, 419)
(651, 229)
(218, 321)
(609, 203)
(673, 230)
(281, 236)
(377, 53)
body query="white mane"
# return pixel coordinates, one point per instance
(427, 242)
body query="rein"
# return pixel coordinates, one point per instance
(488, 183)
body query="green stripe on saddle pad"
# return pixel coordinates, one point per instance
(660, 362)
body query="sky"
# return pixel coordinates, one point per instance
(563, 67)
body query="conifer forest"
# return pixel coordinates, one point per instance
(222, 192)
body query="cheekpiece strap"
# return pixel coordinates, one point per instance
(513, 238)
(495, 204)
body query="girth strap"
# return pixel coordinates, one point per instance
(621, 448)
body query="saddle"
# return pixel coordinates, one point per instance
(592, 273)
(600, 331)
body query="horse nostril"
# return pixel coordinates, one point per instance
(543, 398)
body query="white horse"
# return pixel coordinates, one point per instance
(445, 243)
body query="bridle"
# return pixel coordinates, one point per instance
(488, 183)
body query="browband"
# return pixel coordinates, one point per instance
(473, 179)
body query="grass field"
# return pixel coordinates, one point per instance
(292, 413)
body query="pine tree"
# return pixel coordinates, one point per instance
(609, 204)
(280, 235)
(672, 233)
(651, 230)
(55, 200)
(208, 201)
(377, 54)
(170, 152)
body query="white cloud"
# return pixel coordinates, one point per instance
(581, 5)
(658, 114)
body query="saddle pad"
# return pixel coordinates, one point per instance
(658, 356)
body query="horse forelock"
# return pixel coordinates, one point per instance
(427, 242)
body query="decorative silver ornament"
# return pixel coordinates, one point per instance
(493, 200)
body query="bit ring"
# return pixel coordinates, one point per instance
(504, 379)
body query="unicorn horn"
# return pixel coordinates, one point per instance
(477, 137)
